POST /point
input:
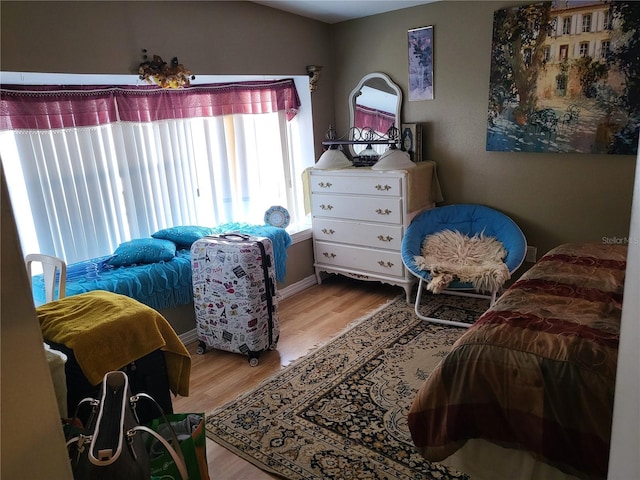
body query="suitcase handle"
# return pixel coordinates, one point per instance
(239, 237)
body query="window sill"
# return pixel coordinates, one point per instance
(299, 232)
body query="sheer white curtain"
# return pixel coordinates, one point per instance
(205, 171)
(80, 191)
(65, 190)
(261, 155)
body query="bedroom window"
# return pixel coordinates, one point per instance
(146, 161)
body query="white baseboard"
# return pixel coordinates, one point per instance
(297, 287)
(188, 337)
(191, 336)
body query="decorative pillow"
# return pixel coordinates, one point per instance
(143, 250)
(183, 236)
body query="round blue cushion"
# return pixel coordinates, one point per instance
(467, 219)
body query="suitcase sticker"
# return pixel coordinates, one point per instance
(235, 294)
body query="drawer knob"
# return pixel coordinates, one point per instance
(328, 231)
(326, 207)
(383, 187)
(386, 211)
(329, 255)
(325, 185)
(383, 238)
(382, 263)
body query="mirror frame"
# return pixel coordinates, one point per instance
(354, 94)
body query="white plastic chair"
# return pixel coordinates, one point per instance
(51, 266)
(56, 360)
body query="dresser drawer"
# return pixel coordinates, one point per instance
(364, 208)
(377, 235)
(359, 258)
(357, 185)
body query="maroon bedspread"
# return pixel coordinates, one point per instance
(537, 371)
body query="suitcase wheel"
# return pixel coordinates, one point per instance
(253, 358)
(201, 348)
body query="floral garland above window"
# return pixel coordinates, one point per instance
(161, 73)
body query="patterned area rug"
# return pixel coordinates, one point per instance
(340, 412)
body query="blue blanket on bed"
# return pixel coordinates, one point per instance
(163, 284)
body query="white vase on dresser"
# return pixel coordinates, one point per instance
(360, 215)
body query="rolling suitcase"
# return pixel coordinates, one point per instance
(234, 294)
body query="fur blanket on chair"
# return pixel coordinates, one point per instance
(449, 255)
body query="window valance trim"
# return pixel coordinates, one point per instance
(378, 120)
(44, 107)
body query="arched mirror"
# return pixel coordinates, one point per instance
(374, 105)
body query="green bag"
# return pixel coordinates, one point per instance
(189, 428)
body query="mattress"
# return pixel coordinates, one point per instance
(158, 285)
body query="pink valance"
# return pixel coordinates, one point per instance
(208, 101)
(375, 119)
(40, 107)
(53, 107)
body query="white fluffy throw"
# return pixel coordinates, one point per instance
(450, 255)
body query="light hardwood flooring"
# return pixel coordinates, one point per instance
(307, 319)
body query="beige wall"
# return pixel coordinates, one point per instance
(554, 197)
(299, 263)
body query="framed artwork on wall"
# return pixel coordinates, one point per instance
(420, 46)
(411, 140)
(565, 78)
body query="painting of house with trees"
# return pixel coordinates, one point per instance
(565, 77)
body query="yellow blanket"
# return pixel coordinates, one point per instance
(107, 331)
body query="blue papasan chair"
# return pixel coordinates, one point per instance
(471, 221)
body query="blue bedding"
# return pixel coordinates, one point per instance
(158, 285)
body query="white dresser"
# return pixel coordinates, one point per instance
(360, 215)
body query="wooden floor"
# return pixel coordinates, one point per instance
(307, 319)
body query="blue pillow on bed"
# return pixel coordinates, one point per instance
(143, 250)
(183, 236)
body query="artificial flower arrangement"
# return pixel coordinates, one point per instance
(161, 73)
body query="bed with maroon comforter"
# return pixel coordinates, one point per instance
(536, 373)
